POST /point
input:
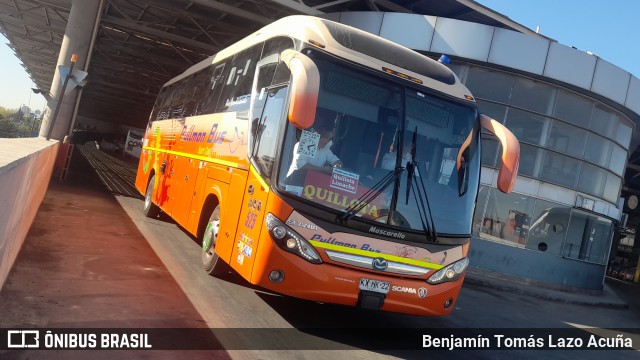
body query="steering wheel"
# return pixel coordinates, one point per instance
(397, 219)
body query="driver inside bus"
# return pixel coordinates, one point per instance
(322, 160)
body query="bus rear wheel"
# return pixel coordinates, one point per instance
(211, 262)
(150, 209)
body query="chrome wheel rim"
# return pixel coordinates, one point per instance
(209, 239)
(147, 198)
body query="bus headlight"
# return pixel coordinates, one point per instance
(450, 272)
(291, 241)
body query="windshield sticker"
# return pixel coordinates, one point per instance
(308, 144)
(317, 188)
(344, 180)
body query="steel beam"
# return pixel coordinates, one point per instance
(234, 10)
(29, 22)
(210, 49)
(298, 7)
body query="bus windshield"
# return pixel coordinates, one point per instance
(366, 131)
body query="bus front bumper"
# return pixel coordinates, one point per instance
(338, 284)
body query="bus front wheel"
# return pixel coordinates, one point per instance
(150, 209)
(210, 260)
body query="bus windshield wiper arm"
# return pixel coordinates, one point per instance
(421, 198)
(420, 193)
(371, 194)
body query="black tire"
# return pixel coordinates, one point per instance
(150, 209)
(211, 262)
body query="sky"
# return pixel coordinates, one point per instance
(15, 83)
(606, 28)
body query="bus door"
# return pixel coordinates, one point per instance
(250, 222)
(267, 116)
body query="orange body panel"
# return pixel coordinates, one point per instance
(184, 154)
(250, 224)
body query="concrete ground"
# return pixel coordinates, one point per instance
(84, 264)
(91, 260)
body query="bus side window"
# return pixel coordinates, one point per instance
(196, 93)
(180, 97)
(276, 46)
(281, 73)
(267, 130)
(265, 76)
(158, 104)
(212, 92)
(237, 87)
(165, 107)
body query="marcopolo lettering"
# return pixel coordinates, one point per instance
(383, 232)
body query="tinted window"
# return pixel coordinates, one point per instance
(237, 85)
(574, 108)
(533, 95)
(216, 83)
(198, 93)
(567, 139)
(276, 46)
(489, 84)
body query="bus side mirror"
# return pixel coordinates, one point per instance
(305, 86)
(510, 153)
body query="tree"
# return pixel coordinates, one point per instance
(7, 127)
(6, 113)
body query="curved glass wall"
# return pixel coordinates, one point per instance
(567, 140)
(536, 224)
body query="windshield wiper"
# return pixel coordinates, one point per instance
(371, 194)
(420, 193)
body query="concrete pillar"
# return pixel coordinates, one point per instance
(77, 40)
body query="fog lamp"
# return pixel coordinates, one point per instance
(276, 276)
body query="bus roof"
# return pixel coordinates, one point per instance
(351, 44)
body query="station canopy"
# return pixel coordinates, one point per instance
(141, 44)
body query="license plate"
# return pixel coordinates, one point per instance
(374, 285)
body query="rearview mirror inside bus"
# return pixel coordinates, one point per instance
(305, 86)
(510, 159)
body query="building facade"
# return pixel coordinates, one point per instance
(575, 115)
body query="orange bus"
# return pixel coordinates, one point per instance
(326, 163)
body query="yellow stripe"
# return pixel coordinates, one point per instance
(367, 253)
(259, 178)
(191, 156)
